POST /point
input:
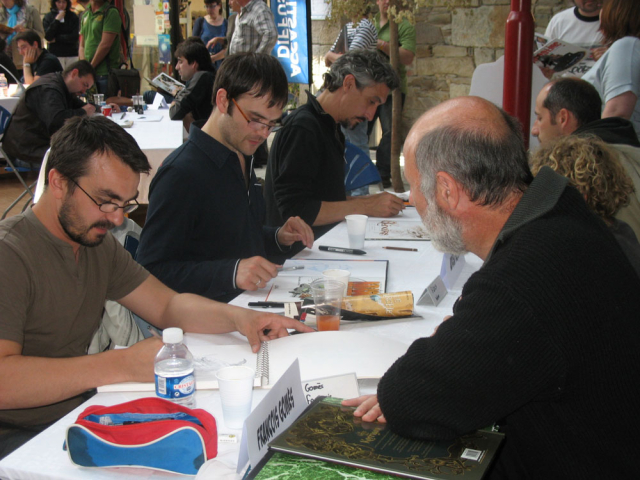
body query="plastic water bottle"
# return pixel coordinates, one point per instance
(173, 367)
(4, 85)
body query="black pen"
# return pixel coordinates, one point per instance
(350, 251)
(267, 304)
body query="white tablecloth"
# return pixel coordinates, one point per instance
(157, 140)
(43, 458)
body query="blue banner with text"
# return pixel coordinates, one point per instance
(292, 49)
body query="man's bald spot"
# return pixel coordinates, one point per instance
(464, 113)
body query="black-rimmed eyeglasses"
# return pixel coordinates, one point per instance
(110, 207)
(255, 124)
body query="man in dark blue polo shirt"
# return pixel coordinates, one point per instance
(204, 232)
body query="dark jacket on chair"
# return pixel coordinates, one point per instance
(41, 112)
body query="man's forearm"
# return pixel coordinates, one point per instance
(197, 314)
(405, 56)
(332, 212)
(35, 381)
(101, 53)
(28, 74)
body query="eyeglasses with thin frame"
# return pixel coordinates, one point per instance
(255, 124)
(110, 207)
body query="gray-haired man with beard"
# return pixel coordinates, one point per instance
(58, 265)
(305, 173)
(543, 340)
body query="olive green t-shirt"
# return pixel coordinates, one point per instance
(106, 19)
(51, 304)
(406, 39)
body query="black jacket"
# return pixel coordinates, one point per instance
(40, 113)
(615, 130)
(544, 340)
(194, 98)
(65, 34)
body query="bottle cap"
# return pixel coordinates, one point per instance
(172, 335)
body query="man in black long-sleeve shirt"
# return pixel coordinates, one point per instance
(544, 339)
(306, 169)
(204, 232)
(43, 109)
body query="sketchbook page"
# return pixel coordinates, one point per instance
(207, 359)
(367, 277)
(321, 354)
(396, 229)
(325, 354)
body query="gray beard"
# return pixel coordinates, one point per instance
(444, 230)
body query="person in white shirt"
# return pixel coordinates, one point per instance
(579, 25)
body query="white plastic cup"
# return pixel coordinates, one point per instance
(327, 295)
(339, 275)
(356, 227)
(236, 391)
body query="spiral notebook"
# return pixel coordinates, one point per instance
(320, 354)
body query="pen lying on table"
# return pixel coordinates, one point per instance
(267, 304)
(402, 249)
(349, 251)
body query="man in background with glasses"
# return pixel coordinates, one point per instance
(204, 232)
(59, 264)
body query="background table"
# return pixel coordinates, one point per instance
(43, 457)
(157, 140)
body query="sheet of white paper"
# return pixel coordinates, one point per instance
(395, 229)
(146, 118)
(367, 277)
(339, 386)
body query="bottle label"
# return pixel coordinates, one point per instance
(175, 387)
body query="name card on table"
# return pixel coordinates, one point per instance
(451, 268)
(340, 386)
(277, 410)
(159, 102)
(434, 293)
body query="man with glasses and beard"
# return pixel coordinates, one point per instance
(60, 263)
(306, 169)
(204, 232)
(543, 340)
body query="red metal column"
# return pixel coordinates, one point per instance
(518, 63)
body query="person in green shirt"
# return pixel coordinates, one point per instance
(100, 40)
(407, 41)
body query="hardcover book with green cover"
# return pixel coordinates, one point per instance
(328, 431)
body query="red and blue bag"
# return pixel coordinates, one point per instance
(149, 432)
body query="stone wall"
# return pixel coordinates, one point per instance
(450, 45)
